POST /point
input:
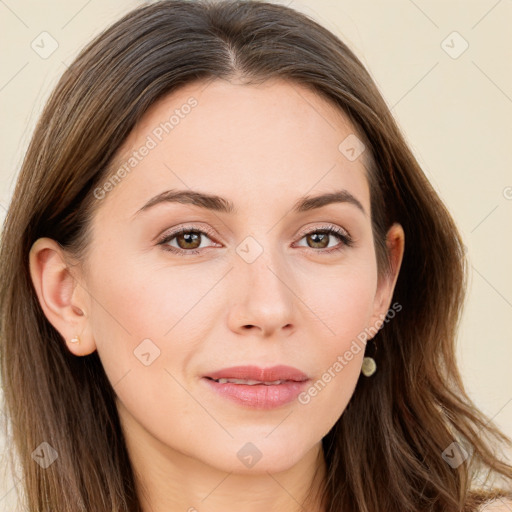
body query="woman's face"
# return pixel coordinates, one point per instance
(259, 283)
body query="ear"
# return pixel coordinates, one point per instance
(395, 242)
(63, 300)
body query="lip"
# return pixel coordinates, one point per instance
(280, 372)
(259, 396)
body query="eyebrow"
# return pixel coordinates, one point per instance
(222, 205)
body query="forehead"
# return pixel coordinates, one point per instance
(241, 140)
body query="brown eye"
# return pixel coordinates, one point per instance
(320, 239)
(188, 240)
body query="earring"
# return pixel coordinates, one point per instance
(76, 339)
(369, 366)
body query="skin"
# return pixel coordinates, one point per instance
(261, 147)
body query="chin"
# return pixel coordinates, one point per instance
(260, 456)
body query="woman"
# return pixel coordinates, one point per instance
(226, 282)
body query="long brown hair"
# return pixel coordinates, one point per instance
(385, 453)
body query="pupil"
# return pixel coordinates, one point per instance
(189, 237)
(322, 236)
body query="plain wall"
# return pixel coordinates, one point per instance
(453, 104)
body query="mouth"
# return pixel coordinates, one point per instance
(250, 382)
(253, 375)
(258, 388)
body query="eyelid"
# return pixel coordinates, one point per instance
(176, 231)
(335, 230)
(342, 234)
(210, 232)
(326, 226)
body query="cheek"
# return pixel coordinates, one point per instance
(342, 300)
(344, 304)
(146, 300)
(140, 309)
(147, 327)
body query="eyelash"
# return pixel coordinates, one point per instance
(328, 229)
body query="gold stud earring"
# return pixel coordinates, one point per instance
(76, 339)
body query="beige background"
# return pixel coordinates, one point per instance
(454, 106)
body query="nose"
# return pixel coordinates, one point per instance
(263, 301)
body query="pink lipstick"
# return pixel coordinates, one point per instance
(259, 388)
